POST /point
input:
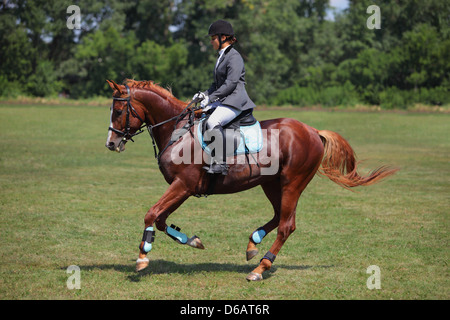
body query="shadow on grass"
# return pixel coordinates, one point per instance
(167, 267)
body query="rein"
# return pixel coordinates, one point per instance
(131, 110)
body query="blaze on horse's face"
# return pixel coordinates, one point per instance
(116, 142)
(117, 137)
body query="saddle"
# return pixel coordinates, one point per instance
(243, 132)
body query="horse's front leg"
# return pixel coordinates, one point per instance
(181, 238)
(169, 202)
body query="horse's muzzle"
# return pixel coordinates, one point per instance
(113, 146)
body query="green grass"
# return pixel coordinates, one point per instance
(66, 200)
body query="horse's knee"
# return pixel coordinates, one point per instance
(150, 218)
(284, 231)
(160, 224)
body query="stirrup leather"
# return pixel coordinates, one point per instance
(217, 168)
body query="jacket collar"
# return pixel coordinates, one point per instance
(227, 49)
(222, 55)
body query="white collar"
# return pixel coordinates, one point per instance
(220, 55)
(223, 50)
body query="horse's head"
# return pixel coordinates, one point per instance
(125, 121)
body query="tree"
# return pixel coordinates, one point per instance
(290, 51)
(425, 55)
(102, 55)
(15, 64)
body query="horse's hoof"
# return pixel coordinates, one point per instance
(141, 264)
(251, 254)
(253, 276)
(195, 242)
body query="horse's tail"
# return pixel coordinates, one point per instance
(339, 163)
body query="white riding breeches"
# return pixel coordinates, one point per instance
(221, 116)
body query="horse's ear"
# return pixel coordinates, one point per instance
(110, 84)
(113, 85)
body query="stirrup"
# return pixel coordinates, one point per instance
(221, 168)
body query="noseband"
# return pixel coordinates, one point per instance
(126, 134)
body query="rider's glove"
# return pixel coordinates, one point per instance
(203, 97)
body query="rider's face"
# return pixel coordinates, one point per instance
(215, 41)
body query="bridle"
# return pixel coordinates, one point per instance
(127, 135)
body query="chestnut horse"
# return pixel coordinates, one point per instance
(298, 150)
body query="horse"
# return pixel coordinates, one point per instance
(299, 151)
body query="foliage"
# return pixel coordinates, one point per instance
(293, 54)
(43, 82)
(344, 95)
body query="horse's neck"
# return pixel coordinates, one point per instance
(159, 109)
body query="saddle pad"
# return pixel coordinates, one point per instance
(251, 137)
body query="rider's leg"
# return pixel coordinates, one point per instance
(221, 116)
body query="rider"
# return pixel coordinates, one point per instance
(227, 96)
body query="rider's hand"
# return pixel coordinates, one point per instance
(200, 96)
(204, 103)
(203, 98)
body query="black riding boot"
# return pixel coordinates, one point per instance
(218, 165)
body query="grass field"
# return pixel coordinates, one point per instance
(66, 200)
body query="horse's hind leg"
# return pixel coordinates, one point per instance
(273, 193)
(289, 199)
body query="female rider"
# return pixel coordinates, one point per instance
(227, 96)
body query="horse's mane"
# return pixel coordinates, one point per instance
(150, 85)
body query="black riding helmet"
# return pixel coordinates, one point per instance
(220, 27)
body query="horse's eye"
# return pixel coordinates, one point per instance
(118, 112)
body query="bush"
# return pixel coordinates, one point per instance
(434, 96)
(339, 96)
(332, 96)
(299, 96)
(394, 98)
(10, 89)
(43, 82)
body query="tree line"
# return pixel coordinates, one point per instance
(293, 53)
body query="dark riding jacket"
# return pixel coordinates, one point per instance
(229, 82)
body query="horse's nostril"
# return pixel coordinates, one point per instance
(110, 145)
